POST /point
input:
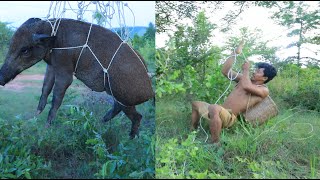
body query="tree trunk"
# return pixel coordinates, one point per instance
(299, 44)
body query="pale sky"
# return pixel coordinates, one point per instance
(253, 17)
(18, 12)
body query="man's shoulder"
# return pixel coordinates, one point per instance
(264, 87)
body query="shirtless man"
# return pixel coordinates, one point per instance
(225, 115)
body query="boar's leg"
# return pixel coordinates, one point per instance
(113, 112)
(135, 118)
(62, 82)
(46, 88)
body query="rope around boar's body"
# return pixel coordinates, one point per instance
(107, 11)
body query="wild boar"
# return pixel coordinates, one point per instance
(95, 55)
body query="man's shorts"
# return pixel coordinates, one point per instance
(226, 115)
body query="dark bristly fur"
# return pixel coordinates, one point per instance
(33, 42)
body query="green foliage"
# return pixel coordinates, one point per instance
(254, 46)
(185, 159)
(133, 160)
(165, 11)
(190, 64)
(5, 36)
(300, 21)
(193, 68)
(16, 158)
(284, 147)
(99, 18)
(77, 137)
(146, 45)
(301, 86)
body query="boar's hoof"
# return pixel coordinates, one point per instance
(134, 134)
(41, 107)
(105, 119)
(48, 125)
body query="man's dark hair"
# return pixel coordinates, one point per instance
(269, 70)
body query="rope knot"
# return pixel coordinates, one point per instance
(105, 70)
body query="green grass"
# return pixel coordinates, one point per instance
(78, 144)
(287, 146)
(39, 68)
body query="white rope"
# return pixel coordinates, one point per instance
(134, 20)
(231, 78)
(271, 129)
(104, 69)
(74, 47)
(306, 133)
(107, 11)
(80, 12)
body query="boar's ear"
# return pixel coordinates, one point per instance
(31, 21)
(43, 39)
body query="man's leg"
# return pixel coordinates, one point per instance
(195, 117)
(215, 122)
(198, 108)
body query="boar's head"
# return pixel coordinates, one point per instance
(29, 45)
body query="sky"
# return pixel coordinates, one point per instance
(18, 12)
(253, 17)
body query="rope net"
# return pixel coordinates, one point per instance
(104, 13)
(108, 14)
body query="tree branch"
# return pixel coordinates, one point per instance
(231, 16)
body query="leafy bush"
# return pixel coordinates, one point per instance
(16, 158)
(298, 86)
(187, 159)
(5, 36)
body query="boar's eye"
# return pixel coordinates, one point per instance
(25, 51)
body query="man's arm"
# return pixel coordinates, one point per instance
(228, 64)
(248, 86)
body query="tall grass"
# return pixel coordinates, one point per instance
(287, 146)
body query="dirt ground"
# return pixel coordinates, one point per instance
(23, 81)
(18, 83)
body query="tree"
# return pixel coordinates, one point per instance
(182, 66)
(150, 32)
(146, 45)
(169, 13)
(300, 21)
(193, 43)
(5, 36)
(99, 18)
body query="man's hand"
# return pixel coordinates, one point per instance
(246, 66)
(239, 48)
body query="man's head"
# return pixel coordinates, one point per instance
(266, 70)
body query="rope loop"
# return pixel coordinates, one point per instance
(231, 78)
